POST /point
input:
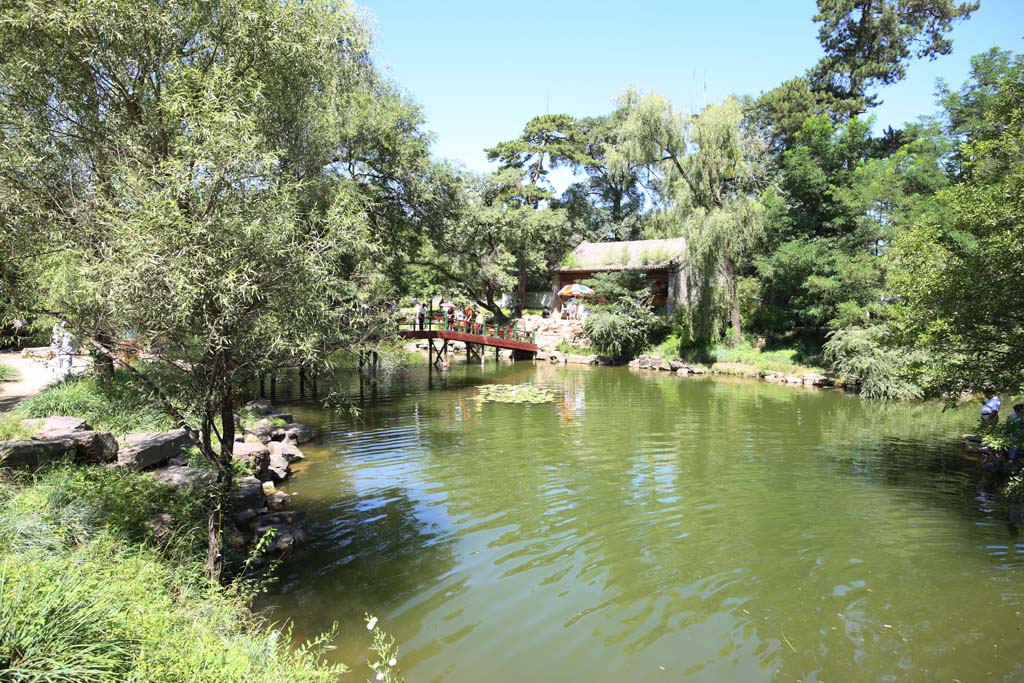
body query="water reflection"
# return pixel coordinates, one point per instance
(652, 525)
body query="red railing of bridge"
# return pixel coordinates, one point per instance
(451, 324)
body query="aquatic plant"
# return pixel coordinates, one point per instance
(514, 393)
(385, 667)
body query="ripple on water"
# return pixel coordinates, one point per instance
(645, 525)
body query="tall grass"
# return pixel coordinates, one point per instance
(783, 361)
(83, 600)
(120, 406)
(11, 429)
(9, 373)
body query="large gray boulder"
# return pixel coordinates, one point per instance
(58, 425)
(248, 494)
(142, 451)
(180, 477)
(91, 447)
(296, 432)
(289, 517)
(254, 455)
(278, 469)
(287, 450)
(284, 538)
(35, 453)
(278, 501)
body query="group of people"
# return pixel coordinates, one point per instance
(462, 316)
(573, 310)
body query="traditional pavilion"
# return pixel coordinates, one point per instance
(660, 260)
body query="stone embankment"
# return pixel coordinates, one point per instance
(680, 368)
(266, 451)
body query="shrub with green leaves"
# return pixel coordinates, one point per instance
(884, 369)
(623, 331)
(623, 324)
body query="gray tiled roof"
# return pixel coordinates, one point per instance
(613, 255)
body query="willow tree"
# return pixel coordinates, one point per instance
(209, 177)
(709, 171)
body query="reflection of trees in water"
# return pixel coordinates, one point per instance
(589, 514)
(366, 552)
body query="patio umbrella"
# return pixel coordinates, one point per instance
(575, 289)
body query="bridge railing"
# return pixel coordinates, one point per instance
(451, 324)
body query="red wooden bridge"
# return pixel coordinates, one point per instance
(446, 328)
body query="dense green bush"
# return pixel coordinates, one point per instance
(623, 324)
(883, 369)
(624, 331)
(119, 406)
(82, 600)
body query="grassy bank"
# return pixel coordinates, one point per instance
(744, 359)
(119, 406)
(89, 594)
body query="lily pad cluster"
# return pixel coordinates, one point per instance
(514, 393)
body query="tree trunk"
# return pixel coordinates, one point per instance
(214, 567)
(103, 362)
(522, 278)
(734, 300)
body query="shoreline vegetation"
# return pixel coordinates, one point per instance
(102, 568)
(89, 591)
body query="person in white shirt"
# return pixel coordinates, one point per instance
(990, 408)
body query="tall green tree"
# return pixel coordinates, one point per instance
(870, 42)
(967, 111)
(547, 142)
(609, 203)
(960, 279)
(780, 113)
(479, 252)
(211, 177)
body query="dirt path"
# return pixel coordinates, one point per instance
(35, 376)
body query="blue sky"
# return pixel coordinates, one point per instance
(481, 69)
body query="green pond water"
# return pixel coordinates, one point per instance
(648, 527)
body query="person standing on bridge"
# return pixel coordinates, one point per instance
(420, 312)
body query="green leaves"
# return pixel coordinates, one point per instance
(869, 42)
(960, 278)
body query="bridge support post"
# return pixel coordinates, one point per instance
(438, 356)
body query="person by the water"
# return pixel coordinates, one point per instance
(990, 408)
